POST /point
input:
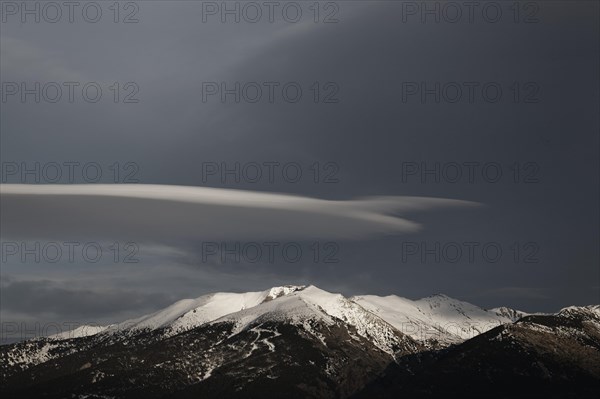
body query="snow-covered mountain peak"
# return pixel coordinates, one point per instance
(438, 296)
(440, 299)
(190, 313)
(311, 306)
(509, 313)
(436, 320)
(575, 311)
(277, 292)
(443, 304)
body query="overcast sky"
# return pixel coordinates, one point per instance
(366, 125)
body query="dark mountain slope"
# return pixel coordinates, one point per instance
(549, 356)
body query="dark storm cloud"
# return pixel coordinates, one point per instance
(370, 133)
(47, 298)
(516, 292)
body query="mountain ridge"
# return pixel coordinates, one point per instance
(180, 315)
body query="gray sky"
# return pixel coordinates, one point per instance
(369, 133)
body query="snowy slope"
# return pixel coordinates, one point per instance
(189, 313)
(512, 314)
(435, 318)
(313, 304)
(185, 314)
(79, 332)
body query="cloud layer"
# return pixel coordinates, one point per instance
(159, 212)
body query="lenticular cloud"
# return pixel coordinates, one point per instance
(164, 212)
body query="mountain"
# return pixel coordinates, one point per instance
(291, 341)
(436, 321)
(538, 356)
